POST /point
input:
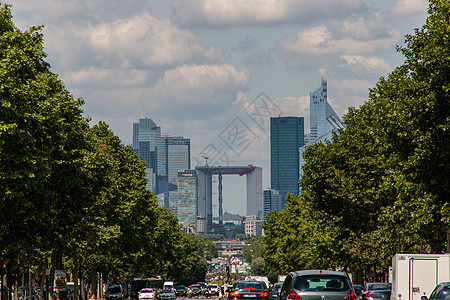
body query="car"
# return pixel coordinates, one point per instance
(146, 293)
(114, 292)
(358, 289)
(249, 290)
(180, 290)
(440, 292)
(275, 291)
(166, 294)
(194, 290)
(376, 291)
(213, 289)
(317, 284)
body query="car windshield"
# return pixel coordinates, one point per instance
(146, 291)
(249, 285)
(115, 289)
(166, 291)
(321, 283)
(378, 286)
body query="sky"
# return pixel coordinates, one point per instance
(215, 71)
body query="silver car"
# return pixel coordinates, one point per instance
(317, 285)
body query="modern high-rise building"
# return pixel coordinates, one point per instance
(147, 144)
(187, 198)
(323, 119)
(177, 157)
(164, 156)
(286, 138)
(272, 202)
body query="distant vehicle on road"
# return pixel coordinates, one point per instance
(376, 291)
(166, 294)
(180, 290)
(194, 290)
(114, 292)
(276, 290)
(317, 284)
(440, 292)
(138, 284)
(249, 289)
(146, 294)
(213, 289)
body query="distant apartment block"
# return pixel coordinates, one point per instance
(253, 226)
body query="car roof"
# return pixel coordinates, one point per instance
(317, 272)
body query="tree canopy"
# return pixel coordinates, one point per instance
(382, 184)
(72, 195)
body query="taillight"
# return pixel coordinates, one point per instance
(294, 295)
(234, 294)
(263, 295)
(351, 296)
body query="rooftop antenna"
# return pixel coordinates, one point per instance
(206, 160)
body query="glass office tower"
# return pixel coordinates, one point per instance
(187, 197)
(286, 139)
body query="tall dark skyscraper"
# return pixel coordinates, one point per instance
(286, 138)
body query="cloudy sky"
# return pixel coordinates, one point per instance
(201, 68)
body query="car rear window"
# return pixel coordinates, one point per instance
(249, 285)
(321, 283)
(379, 286)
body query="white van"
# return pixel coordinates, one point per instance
(168, 285)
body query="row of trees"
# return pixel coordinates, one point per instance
(70, 195)
(380, 186)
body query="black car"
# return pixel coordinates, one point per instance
(440, 292)
(249, 290)
(376, 291)
(114, 292)
(276, 290)
(180, 290)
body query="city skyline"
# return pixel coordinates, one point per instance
(199, 68)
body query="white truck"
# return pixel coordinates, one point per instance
(416, 275)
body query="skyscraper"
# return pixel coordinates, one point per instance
(187, 197)
(272, 202)
(323, 119)
(177, 157)
(286, 138)
(164, 156)
(147, 144)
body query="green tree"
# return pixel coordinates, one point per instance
(383, 183)
(41, 142)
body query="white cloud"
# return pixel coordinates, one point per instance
(110, 78)
(232, 13)
(368, 64)
(409, 9)
(145, 41)
(320, 40)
